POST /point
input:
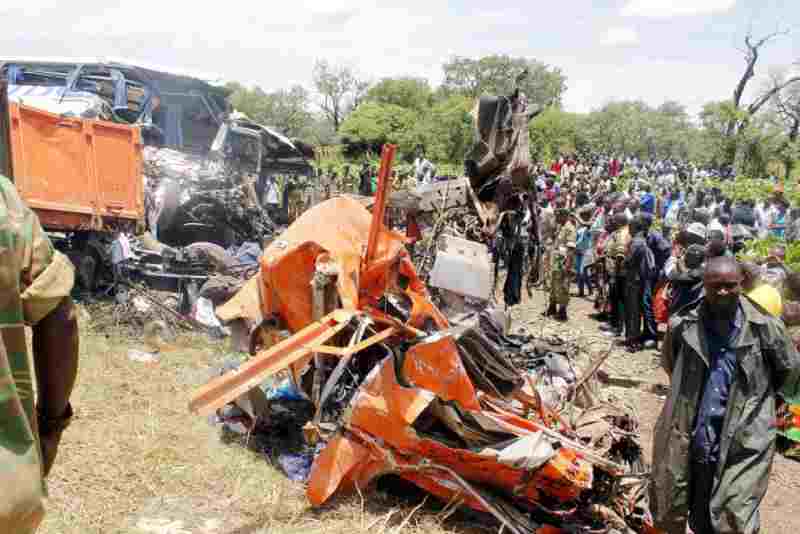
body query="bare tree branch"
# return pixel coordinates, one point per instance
(763, 99)
(751, 58)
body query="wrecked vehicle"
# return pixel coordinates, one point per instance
(216, 197)
(133, 147)
(394, 388)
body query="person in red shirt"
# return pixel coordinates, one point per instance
(413, 232)
(613, 168)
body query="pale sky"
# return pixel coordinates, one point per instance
(653, 50)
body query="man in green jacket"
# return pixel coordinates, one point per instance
(728, 359)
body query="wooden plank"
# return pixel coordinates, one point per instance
(226, 388)
(331, 351)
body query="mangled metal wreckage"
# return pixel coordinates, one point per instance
(396, 389)
(204, 165)
(193, 172)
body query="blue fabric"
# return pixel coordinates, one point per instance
(579, 263)
(296, 466)
(583, 277)
(583, 241)
(247, 254)
(665, 206)
(711, 413)
(173, 131)
(648, 203)
(15, 74)
(780, 220)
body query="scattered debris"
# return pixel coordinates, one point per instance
(141, 356)
(456, 405)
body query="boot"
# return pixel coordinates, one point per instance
(551, 310)
(562, 314)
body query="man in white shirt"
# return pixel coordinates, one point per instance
(423, 170)
(762, 219)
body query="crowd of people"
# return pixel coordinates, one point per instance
(664, 249)
(638, 246)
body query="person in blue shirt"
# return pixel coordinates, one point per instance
(584, 243)
(777, 217)
(647, 200)
(714, 443)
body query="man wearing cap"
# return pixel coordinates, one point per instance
(561, 267)
(714, 442)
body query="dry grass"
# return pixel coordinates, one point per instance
(135, 461)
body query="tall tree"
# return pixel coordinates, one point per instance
(555, 132)
(287, 110)
(445, 130)
(496, 75)
(406, 92)
(373, 124)
(340, 90)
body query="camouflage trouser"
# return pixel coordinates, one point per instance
(547, 267)
(559, 286)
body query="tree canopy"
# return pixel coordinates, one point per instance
(406, 92)
(408, 111)
(498, 75)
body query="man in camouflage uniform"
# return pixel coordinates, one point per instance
(547, 229)
(35, 282)
(563, 253)
(615, 251)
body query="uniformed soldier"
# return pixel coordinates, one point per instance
(35, 282)
(547, 229)
(616, 249)
(562, 255)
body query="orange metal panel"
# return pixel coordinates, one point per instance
(385, 409)
(228, 387)
(436, 366)
(339, 228)
(341, 464)
(70, 166)
(379, 208)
